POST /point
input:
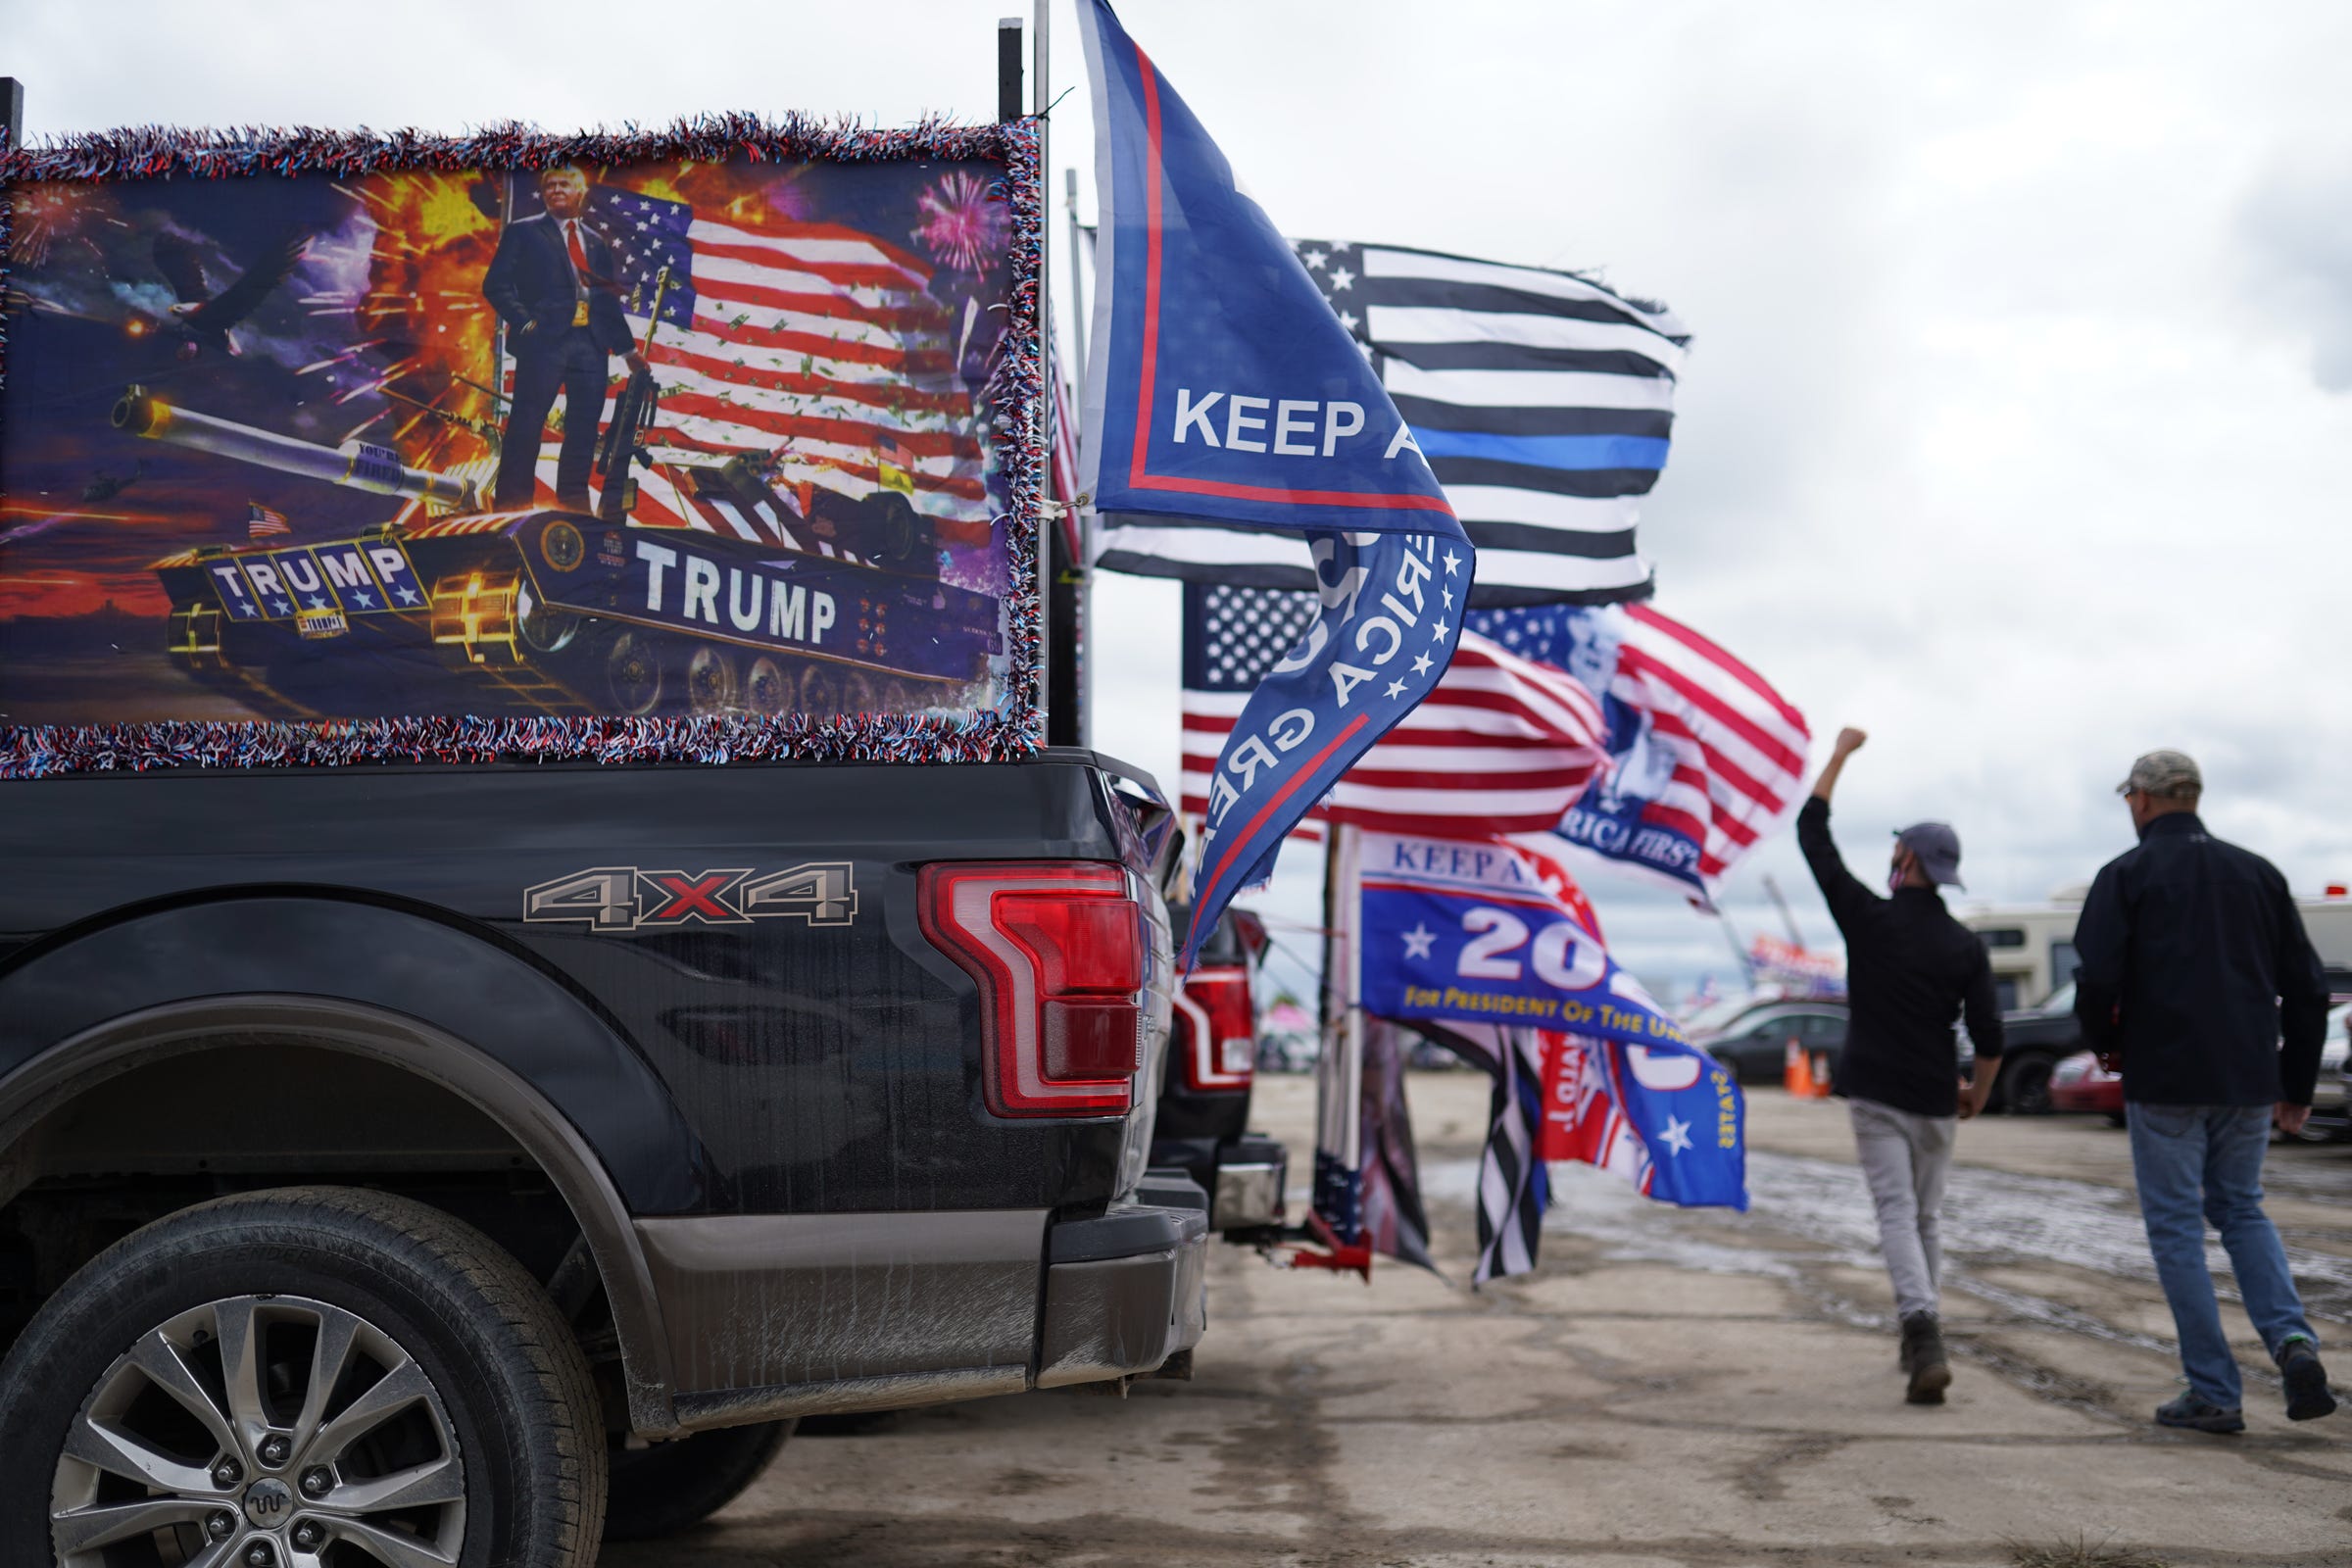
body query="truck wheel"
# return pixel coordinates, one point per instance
(665, 1488)
(313, 1374)
(2024, 1086)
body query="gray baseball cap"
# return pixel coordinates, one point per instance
(2164, 775)
(1938, 849)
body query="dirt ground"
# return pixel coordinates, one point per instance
(1672, 1387)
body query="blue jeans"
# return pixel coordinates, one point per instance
(2196, 1164)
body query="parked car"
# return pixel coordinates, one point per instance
(2079, 1084)
(388, 1152)
(1202, 1125)
(2332, 1096)
(1754, 1042)
(2035, 1041)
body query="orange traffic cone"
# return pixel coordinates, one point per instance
(1818, 1086)
(1797, 1071)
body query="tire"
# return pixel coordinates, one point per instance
(2024, 1085)
(665, 1488)
(452, 1368)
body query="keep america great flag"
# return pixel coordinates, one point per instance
(1543, 400)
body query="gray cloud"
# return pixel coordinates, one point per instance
(2002, 434)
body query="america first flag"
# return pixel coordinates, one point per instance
(1502, 744)
(810, 349)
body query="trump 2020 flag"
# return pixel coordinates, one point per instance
(1221, 387)
(1469, 931)
(1669, 1118)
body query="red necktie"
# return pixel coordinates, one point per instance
(579, 256)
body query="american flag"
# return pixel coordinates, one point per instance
(1543, 400)
(1705, 744)
(262, 524)
(811, 350)
(1501, 746)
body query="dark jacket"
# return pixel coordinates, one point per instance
(2193, 965)
(530, 284)
(1910, 970)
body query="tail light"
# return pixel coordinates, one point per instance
(1057, 950)
(1221, 1018)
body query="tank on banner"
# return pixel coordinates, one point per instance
(660, 440)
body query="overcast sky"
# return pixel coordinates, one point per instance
(2017, 423)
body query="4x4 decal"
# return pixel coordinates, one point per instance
(622, 898)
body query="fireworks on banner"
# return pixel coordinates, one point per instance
(963, 224)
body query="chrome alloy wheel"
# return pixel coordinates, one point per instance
(261, 1432)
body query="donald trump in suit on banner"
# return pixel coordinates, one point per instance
(553, 283)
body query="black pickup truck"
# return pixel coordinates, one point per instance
(398, 1164)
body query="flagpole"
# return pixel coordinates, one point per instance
(1041, 96)
(1085, 565)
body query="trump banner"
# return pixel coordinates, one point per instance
(1220, 386)
(1667, 1117)
(1488, 932)
(706, 443)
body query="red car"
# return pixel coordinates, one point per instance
(2079, 1083)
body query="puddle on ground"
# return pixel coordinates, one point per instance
(1991, 1219)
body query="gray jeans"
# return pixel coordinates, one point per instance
(1905, 1160)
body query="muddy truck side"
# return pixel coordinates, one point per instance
(390, 1156)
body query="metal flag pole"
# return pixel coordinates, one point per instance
(1041, 97)
(1078, 262)
(1085, 565)
(1335, 1222)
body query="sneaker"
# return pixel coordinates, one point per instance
(2307, 1395)
(2198, 1415)
(1924, 1361)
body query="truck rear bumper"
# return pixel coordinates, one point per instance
(1123, 1293)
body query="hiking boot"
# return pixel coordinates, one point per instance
(2307, 1395)
(2199, 1415)
(1922, 1359)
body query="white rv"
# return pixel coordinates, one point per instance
(2032, 944)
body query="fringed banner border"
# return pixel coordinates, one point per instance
(1012, 729)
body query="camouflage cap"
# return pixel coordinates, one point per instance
(2165, 776)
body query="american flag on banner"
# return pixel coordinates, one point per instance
(810, 350)
(262, 524)
(1501, 746)
(1543, 400)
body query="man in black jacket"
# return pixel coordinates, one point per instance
(2194, 968)
(553, 282)
(1911, 969)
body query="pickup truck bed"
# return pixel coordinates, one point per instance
(675, 1040)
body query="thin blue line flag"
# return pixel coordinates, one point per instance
(1221, 388)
